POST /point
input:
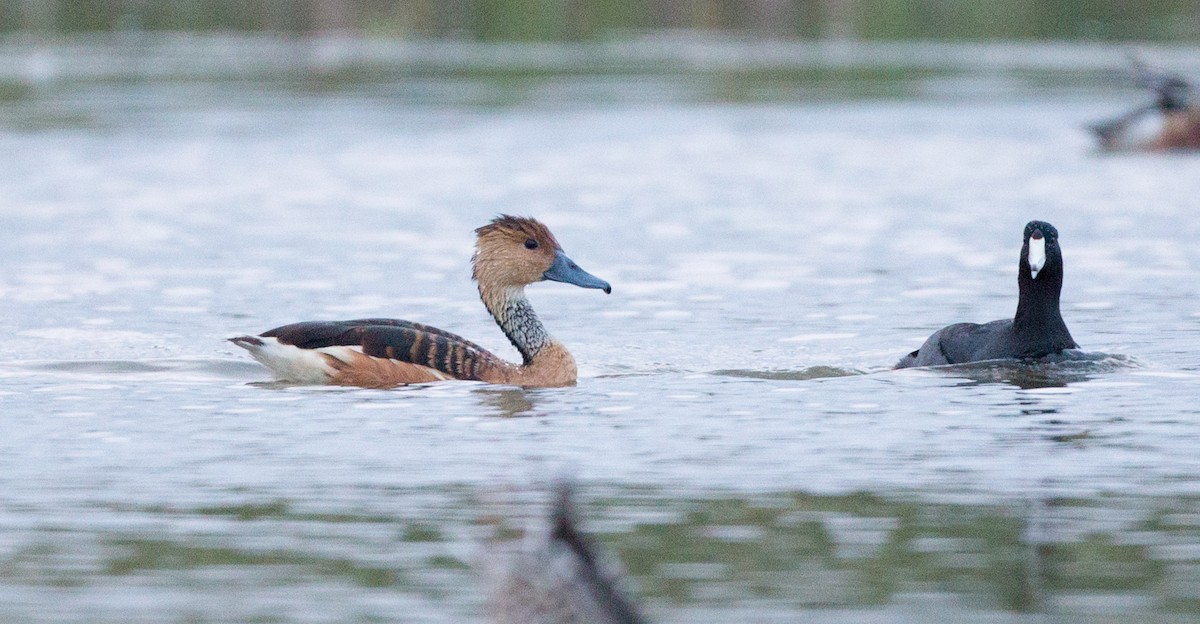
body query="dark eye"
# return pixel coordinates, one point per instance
(531, 244)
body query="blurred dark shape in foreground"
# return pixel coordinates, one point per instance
(556, 577)
(1173, 97)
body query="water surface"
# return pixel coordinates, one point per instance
(741, 443)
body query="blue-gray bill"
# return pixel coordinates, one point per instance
(565, 270)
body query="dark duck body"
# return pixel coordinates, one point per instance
(1037, 329)
(510, 253)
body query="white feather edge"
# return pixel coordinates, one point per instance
(291, 363)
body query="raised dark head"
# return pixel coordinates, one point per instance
(1040, 254)
(1038, 325)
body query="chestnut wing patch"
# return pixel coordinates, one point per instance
(392, 339)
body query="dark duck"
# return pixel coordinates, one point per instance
(1037, 329)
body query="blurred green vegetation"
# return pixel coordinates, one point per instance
(585, 20)
(820, 551)
(785, 550)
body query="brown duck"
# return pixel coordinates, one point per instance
(510, 253)
(1174, 100)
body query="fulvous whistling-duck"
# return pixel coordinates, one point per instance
(557, 579)
(1037, 329)
(1173, 98)
(510, 253)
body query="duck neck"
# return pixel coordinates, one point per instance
(1038, 311)
(516, 318)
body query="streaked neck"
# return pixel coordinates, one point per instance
(516, 318)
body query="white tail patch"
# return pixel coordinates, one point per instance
(288, 362)
(334, 365)
(1037, 255)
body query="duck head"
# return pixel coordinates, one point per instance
(513, 252)
(1174, 94)
(1040, 253)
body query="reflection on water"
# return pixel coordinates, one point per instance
(1052, 371)
(163, 368)
(91, 83)
(812, 372)
(778, 552)
(509, 402)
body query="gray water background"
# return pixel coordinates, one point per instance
(778, 231)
